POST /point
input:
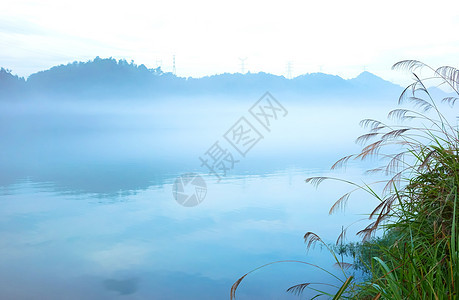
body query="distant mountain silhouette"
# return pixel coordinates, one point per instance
(370, 81)
(11, 86)
(110, 79)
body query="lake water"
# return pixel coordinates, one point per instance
(88, 212)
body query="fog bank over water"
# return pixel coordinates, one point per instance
(126, 144)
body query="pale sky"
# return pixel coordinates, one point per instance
(208, 37)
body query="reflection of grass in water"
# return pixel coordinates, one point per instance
(417, 255)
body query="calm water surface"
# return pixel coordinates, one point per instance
(87, 210)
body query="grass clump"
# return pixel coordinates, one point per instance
(416, 256)
(415, 253)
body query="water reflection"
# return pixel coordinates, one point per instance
(87, 204)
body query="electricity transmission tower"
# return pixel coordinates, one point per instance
(289, 70)
(159, 63)
(242, 64)
(173, 65)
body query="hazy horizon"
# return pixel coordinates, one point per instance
(247, 72)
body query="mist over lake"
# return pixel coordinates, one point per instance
(88, 205)
(243, 150)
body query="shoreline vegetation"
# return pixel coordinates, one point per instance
(409, 250)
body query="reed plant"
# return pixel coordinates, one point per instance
(409, 249)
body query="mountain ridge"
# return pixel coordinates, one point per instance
(111, 78)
